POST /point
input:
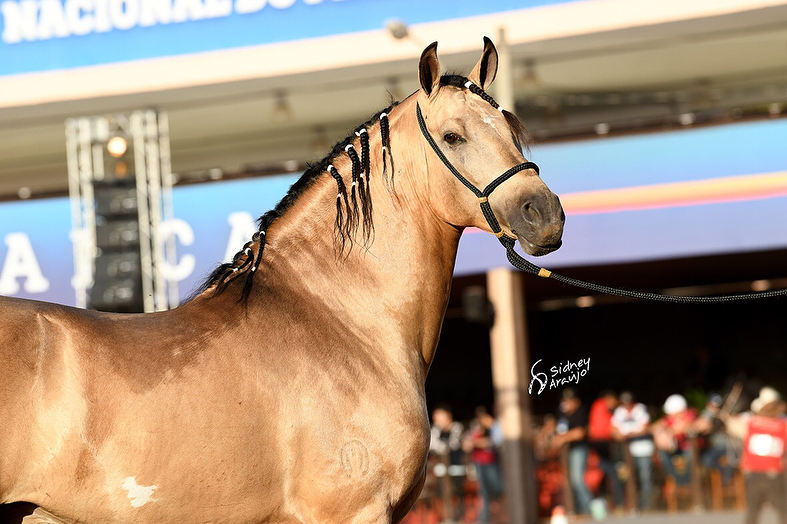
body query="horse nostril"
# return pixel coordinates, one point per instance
(530, 211)
(562, 216)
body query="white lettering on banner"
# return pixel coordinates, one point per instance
(154, 12)
(181, 230)
(124, 14)
(32, 20)
(241, 229)
(218, 8)
(20, 21)
(103, 24)
(78, 17)
(183, 10)
(52, 20)
(20, 261)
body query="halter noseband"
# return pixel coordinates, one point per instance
(482, 195)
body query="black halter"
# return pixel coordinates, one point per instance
(482, 195)
(520, 263)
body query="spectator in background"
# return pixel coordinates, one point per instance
(764, 434)
(630, 424)
(572, 432)
(717, 455)
(542, 443)
(446, 441)
(672, 435)
(483, 443)
(600, 440)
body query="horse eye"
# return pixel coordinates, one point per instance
(451, 138)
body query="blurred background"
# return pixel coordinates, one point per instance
(139, 139)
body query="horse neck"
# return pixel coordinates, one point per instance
(391, 294)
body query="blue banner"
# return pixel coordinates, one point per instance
(40, 35)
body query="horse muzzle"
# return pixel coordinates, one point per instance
(538, 223)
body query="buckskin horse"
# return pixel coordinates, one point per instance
(291, 387)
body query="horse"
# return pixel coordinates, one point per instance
(290, 388)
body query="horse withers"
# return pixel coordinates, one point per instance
(291, 387)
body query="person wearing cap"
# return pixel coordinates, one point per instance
(764, 434)
(572, 432)
(630, 423)
(672, 436)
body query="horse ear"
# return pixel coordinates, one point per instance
(429, 70)
(485, 70)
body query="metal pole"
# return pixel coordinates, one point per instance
(510, 363)
(504, 83)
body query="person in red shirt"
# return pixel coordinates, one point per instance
(764, 433)
(600, 440)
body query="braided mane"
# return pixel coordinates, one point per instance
(352, 210)
(349, 216)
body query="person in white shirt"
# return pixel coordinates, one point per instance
(630, 423)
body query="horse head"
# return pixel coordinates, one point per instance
(479, 145)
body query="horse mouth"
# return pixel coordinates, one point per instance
(538, 250)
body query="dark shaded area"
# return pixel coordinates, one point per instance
(14, 513)
(652, 349)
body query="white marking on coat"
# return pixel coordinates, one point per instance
(491, 121)
(139, 495)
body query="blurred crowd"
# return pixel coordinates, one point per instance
(613, 454)
(467, 460)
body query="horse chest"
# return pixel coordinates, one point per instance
(358, 448)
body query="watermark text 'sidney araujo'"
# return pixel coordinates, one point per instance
(563, 374)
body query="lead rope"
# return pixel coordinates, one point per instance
(520, 263)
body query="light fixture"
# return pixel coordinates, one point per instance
(601, 128)
(319, 144)
(760, 285)
(585, 301)
(397, 29)
(117, 146)
(686, 119)
(529, 79)
(24, 192)
(394, 88)
(282, 111)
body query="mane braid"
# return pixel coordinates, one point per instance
(385, 135)
(355, 189)
(340, 225)
(366, 203)
(246, 261)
